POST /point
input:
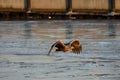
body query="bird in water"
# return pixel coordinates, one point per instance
(73, 45)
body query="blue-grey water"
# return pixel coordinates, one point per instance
(24, 46)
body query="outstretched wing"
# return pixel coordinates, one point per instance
(76, 46)
(59, 45)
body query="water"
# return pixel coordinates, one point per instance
(24, 46)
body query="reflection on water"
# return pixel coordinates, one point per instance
(68, 30)
(27, 31)
(24, 45)
(111, 29)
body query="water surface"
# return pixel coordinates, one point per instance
(24, 45)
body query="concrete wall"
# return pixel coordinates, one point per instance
(117, 5)
(48, 5)
(90, 5)
(84, 6)
(12, 5)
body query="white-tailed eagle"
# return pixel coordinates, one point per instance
(73, 45)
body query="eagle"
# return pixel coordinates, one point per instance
(73, 45)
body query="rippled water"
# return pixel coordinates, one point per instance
(24, 45)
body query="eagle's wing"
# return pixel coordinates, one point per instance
(76, 46)
(59, 45)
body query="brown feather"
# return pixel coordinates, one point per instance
(76, 46)
(59, 45)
